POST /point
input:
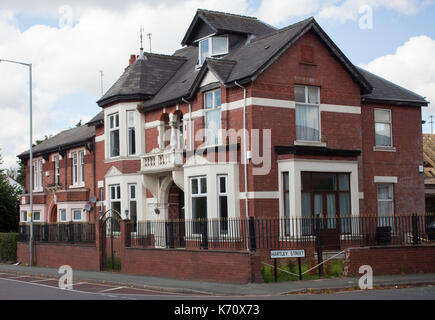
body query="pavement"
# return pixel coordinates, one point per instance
(201, 288)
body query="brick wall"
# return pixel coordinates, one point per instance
(219, 266)
(391, 259)
(55, 255)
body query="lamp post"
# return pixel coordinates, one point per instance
(31, 154)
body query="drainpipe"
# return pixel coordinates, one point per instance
(190, 123)
(245, 161)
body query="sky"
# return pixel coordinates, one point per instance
(69, 43)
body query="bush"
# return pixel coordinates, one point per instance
(8, 247)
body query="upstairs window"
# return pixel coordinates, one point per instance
(56, 170)
(114, 135)
(383, 128)
(82, 166)
(307, 113)
(213, 123)
(131, 132)
(75, 168)
(213, 46)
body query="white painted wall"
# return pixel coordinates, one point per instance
(296, 166)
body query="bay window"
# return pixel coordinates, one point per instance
(198, 190)
(223, 203)
(131, 132)
(115, 205)
(114, 135)
(56, 170)
(75, 168)
(77, 215)
(132, 204)
(82, 166)
(307, 113)
(213, 116)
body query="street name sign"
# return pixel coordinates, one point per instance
(276, 254)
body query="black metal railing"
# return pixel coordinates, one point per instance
(281, 233)
(59, 232)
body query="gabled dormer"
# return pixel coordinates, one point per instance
(215, 34)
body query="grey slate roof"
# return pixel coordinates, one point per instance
(165, 80)
(384, 90)
(63, 140)
(244, 63)
(222, 22)
(98, 119)
(143, 78)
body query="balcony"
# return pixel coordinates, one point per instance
(161, 161)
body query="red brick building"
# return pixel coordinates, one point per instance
(323, 137)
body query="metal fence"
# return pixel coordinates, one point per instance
(281, 233)
(59, 232)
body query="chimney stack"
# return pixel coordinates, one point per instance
(132, 59)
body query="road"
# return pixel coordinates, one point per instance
(14, 287)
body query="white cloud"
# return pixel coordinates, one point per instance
(278, 12)
(411, 66)
(66, 61)
(348, 9)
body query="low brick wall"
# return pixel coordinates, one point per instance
(83, 257)
(391, 259)
(218, 266)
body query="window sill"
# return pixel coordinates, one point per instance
(309, 143)
(77, 186)
(384, 149)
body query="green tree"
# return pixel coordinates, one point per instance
(9, 204)
(21, 174)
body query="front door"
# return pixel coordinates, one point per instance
(326, 195)
(325, 209)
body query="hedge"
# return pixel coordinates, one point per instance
(8, 247)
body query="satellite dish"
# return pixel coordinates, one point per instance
(93, 199)
(87, 207)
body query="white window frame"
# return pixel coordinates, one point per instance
(211, 53)
(115, 117)
(60, 215)
(117, 195)
(390, 122)
(391, 216)
(302, 104)
(76, 210)
(56, 170)
(200, 194)
(207, 110)
(23, 216)
(131, 199)
(75, 168)
(220, 194)
(35, 175)
(131, 126)
(82, 166)
(34, 212)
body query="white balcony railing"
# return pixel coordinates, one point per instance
(161, 160)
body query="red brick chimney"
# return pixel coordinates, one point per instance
(132, 59)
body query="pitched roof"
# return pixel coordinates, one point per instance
(63, 140)
(244, 63)
(226, 22)
(143, 78)
(163, 80)
(98, 119)
(384, 90)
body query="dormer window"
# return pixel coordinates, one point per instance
(212, 46)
